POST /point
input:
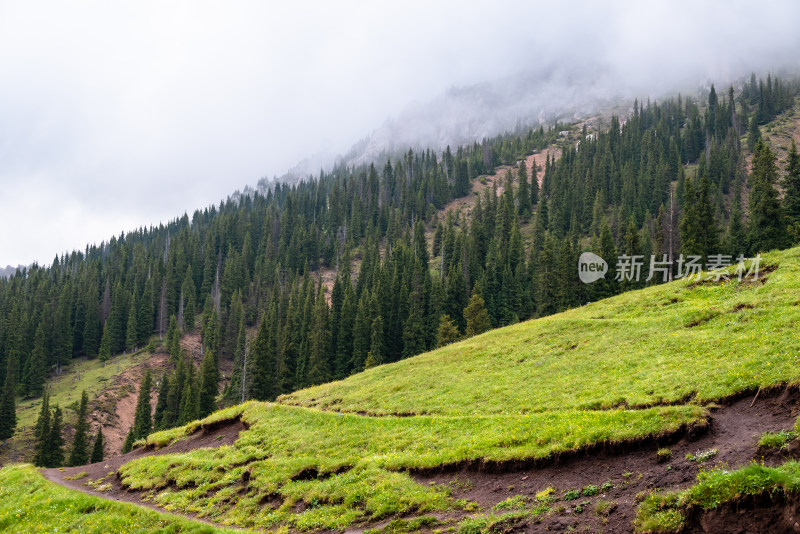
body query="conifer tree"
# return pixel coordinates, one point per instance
(375, 354)
(105, 344)
(447, 332)
(127, 446)
(38, 364)
(791, 186)
(209, 378)
(524, 196)
(56, 441)
(319, 370)
(98, 449)
(753, 133)
(132, 330)
(767, 228)
(79, 454)
(41, 456)
(190, 403)
(264, 385)
(142, 419)
(476, 315)
(161, 403)
(8, 414)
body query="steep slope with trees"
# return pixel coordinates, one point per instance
(669, 179)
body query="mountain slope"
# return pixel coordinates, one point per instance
(660, 345)
(310, 469)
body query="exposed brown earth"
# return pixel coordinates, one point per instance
(105, 472)
(631, 470)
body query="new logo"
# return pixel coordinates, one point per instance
(591, 267)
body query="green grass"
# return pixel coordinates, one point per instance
(30, 504)
(90, 375)
(357, 466)
(617, 370)
(635, 349)
(665, 512)
(776, 440)
(612, 371)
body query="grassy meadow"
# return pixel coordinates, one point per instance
(640, 364)
(31, 504)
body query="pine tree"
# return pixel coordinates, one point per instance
(447, 331)
(128, 445)
(161, 404)
(264, 384)
(56, 441)
(209, 378)
(105, 344)
(767, 228)
(98, 449)
(190, 403)
(8, 414)
(476, 315)
(319, 370)
(41, 455)
(80, 454)
(38, 364)
(142, 419)
(791, 186)
(132, 330)
(524, 193)
(375, 354)
(753, 133)
(461, 186)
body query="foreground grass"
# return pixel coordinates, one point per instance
(663, 344)
(315, 470)
(29, 504)
(715, 487)
(526, 392)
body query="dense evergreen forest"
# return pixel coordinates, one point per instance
(670, 179)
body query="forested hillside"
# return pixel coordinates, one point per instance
(670, 178)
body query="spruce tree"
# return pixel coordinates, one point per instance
(98, 449)
(263, 380)
(319, 368)
(41, 455)
(209, 378)
(375, 354)
(56, 441)
(447, 331)
(143, 420)
(767, 228)
(476, 315)
(80, 454)
(523, 193)
(132, 330)
(161, 404)
(8, 414)
(753, 133)
(105, 344)
(791, 186)
(38, 364)
(190, 403)
(128, 445)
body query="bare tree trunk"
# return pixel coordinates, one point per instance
(244, 368)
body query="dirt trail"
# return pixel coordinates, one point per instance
(734, 431)
(105, 472)
(115, 407)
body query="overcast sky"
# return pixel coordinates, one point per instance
(116, 115)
